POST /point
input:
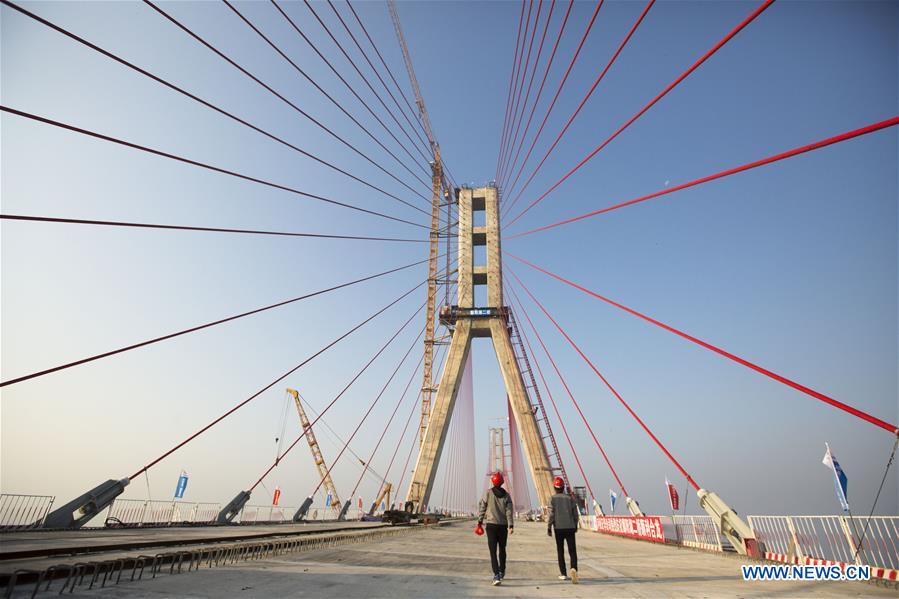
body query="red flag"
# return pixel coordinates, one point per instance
(673, 497)
(360, 503)
(277, 496)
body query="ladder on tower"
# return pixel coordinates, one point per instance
(533, 393)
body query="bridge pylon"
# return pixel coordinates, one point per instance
(467, 321)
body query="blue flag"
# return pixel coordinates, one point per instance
(839, 478)
(613, 497)
(182, 485)
(328, 500)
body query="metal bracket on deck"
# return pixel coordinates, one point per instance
(231, 510)
(81, 510)
(730, 524)
(304, 509)
(633, 507)
(344, 510)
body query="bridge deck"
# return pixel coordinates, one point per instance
(452, 562)
(27, 544)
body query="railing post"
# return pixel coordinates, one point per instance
(844, 523)
(794, 542)
(693, 523)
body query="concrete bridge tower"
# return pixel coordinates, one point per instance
(468, 321)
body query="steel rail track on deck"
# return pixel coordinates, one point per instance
(219, 553)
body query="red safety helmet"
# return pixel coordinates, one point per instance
(558, 483)
(497, 479)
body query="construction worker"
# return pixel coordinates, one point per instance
(564, 516)
(495, 510)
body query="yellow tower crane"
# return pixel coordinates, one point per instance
(316, 457)
(438, 184)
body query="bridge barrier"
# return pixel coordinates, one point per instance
(804, 540)
(23, 511)
(143, 512)
(699, 532)
(259, 514)
(831, 540)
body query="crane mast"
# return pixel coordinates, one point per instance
(316, 451)
(437, 180)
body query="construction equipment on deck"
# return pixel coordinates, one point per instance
(384, 496)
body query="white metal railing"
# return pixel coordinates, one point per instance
(791, 539)
(322, 513)
(142, 512)
(205, 512)
(23, 511)
(252, 514)
(830, 538)
(700, 532)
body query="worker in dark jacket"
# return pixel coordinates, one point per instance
(495, 510)
(564, 516)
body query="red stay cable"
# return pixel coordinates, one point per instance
(550, 394)
(589, 93)
(387, 68)
(752, 16)
(424, 154)
(133, 225)
(352, 90)
(414, 444)
(552, 104)
(725, 173)
(570, 396)
(777, 377)
(549, 63)
(281, 97)
(389, 420)
(405, 427)
(203, 165)
(193, 97)
(509, 91)
(274, 382)
(200, 327)
(524, 71)
(527, 95)
(609, 385)
(337, 397)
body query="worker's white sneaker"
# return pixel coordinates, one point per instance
(562, 577)
(573, 574)
(497, 580)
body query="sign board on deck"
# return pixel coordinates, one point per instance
(648, 528)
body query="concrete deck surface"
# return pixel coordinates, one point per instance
(452, 562)
(109, 539)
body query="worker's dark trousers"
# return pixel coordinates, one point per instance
(497, 534)
(563, 535)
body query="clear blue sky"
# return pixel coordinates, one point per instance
(793, 266)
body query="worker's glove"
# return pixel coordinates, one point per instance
(549, 532)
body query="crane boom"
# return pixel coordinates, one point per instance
(419, 101)
(316, 451)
